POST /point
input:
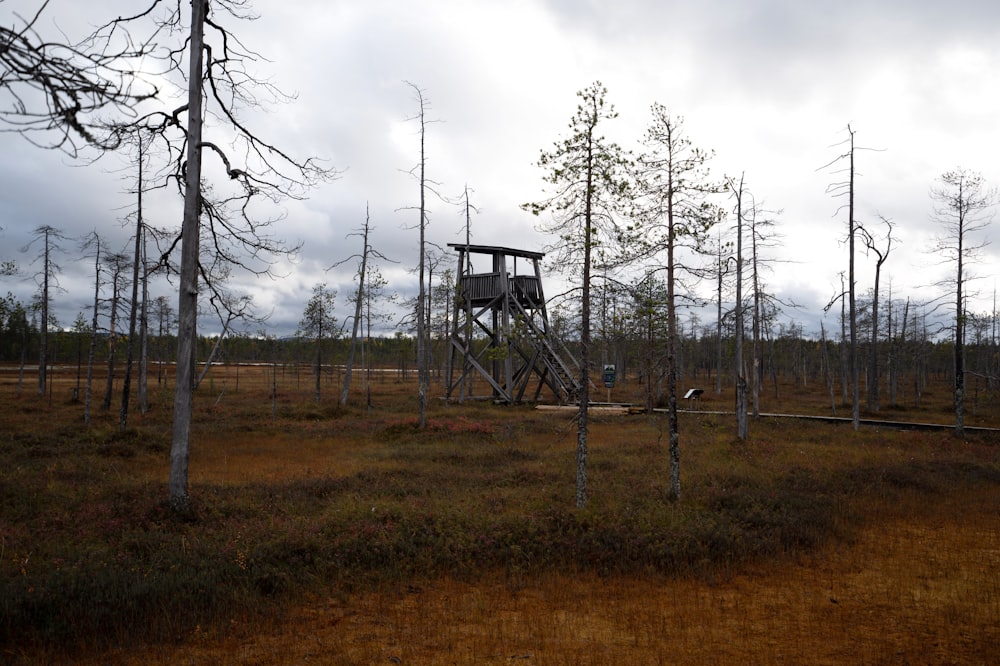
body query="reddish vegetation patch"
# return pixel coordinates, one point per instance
(456, 425)
(905, 592)
(347, 535)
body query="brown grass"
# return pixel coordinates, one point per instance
(901, 593)
(900, 569)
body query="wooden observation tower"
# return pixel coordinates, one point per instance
(501, 330)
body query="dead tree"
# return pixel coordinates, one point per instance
(963, 206)
(48, 281)
(93, 240)
(117, 265)
(367, 251)
(163, 313)
(872, 395)
(846, 188)
(213, 63)
(742, 397)
(138, 279)
(420, 171)
(57, 91)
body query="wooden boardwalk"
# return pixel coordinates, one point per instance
(899, 425)
(624, 409)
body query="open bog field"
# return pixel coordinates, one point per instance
(333, 535)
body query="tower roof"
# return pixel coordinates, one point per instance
(495, 249)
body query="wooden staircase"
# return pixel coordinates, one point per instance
(556, 372)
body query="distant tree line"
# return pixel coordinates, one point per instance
(913, 355)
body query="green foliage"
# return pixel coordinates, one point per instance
(15, 330)
(318, 320)
(590, 181)
(674, 185)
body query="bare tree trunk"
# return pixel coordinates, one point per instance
(49, 237)
(892, 361)
(873, 363)
(134, 305)
(24, 353)
(79, 363)
(827, 370)
(583, 415)
(451, 294)
(672, 422)
(43, 328)
(650, 346)
(319, 355)
(366, 361)
(845, 373)
(872, 394)
(144, 334)
(855, 403)
(422, 363)
(720, 267)
(187, 305)
(757, 376)
(93, 332)
(960, 336)
(428, 310)
(742, 399)
(358, 303)
(466, 388)
(112, 338)
(274, 389)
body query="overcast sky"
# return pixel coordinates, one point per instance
(768, 85)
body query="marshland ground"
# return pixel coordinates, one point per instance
(347, 535)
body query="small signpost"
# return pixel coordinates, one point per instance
(609, 379)
(693, 395)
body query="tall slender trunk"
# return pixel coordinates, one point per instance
(428, 310)
(960, 326)
(187, 302)
(466, 388)
(144, 334)
(583, 425)
(845, 373)
(358, 302)
(112, 339)
(134, 305)
(93, 333)
(422, 363)
(319, 354)
(672, 423)
(873, 376)
(892, 361)
(43, 328)
(855, 404)
(742, 406)
(757, 376)
(24, 352)
(718, 319)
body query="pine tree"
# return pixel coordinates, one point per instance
(589, 178)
